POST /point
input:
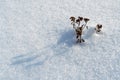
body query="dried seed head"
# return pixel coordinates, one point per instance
(86, 20)
(99, 26)
(80, 18)
(72, 18)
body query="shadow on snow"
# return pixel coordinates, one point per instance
(67, 38)
(28, 61)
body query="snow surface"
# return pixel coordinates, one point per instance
(37, 41)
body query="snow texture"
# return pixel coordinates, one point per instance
(37, 41)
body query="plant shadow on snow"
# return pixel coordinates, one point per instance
(89, 33)
(37, 63)
(23, 59)
(67, 38)
(28, 61)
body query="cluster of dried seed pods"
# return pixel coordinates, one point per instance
(79, 27)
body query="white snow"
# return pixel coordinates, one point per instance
(37, 41)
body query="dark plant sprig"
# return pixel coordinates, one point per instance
(86, 20)
(98, 27)
(79, 31)
(73, 21)
(79, 20)
(72, 18)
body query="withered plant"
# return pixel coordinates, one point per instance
(98, 27)
(79, 28)
(72, 18)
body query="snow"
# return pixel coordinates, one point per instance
(37, 41)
